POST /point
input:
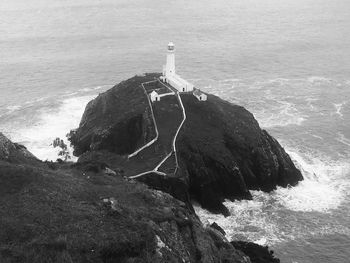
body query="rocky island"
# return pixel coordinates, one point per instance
(222, 152)
(124, 202)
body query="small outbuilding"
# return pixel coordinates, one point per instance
(154, 96)
(200, 95)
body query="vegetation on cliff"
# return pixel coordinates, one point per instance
(91, 211)
(222, 151)
(64, 213)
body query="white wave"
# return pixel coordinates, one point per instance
(341, 138)
(70, 94)
(58, 122)
(316, 136)
(290, 213)
(309, 102)
(87, 89)
(339, 107)
(229, 80)
(317, 79)
(323, 188)
(287, 115)
(249, 220)
(279, 81)
(13, 108)
(41, 99)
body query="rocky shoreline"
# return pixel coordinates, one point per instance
(91, 211)
(222, 151)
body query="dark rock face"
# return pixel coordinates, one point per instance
(81, 214)
(171, 185)
(222, 151)
(225, 153)
(110, 123)
(14, 152)
(218, 228)
(256, 253)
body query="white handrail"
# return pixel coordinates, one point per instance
(154, 121)
(179, 128)
(141, 174)
(155, 170)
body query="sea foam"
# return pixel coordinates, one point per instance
(324, 185)
(318, 79)
(341, 138)
(56, 122)
(290, 213)
(339, 107)
(285, 113)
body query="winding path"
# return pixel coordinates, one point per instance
(154, 122)
(178, 130)
(155, 170)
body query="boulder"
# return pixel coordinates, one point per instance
(256, 253)
(219, 228)
(109, 171)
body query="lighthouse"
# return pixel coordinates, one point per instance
(169, 74)
(170, 60)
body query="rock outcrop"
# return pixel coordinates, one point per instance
(256, 253)
(110, 122)
(78, 213)
(222, 151)
(14, 152)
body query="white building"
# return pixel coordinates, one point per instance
(169, 74)
(200, 95)
(154, 96)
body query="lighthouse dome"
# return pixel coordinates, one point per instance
(171, 46)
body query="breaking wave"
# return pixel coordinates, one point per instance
(290, 213)
(341, 138)
(285, 113)
(324, 186)
(13, 108)
(318, 79)
(339, 108)
(50, 124)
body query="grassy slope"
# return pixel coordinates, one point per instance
(104, 119)
(60, 213)
(168, 116)
(59, 216)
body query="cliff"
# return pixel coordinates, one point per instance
(84, 212)
(92, 211)
(14, 152)
(120, 105)
(222, 151)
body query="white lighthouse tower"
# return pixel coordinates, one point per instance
(170, 60)
(169, 74)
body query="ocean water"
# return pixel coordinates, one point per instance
(287, 61)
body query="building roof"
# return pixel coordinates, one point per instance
(177, 80)
(197, 92)
(154, 93)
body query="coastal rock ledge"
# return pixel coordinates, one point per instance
(64, 213)
(222, 152)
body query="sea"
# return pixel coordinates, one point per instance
(286, 61)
